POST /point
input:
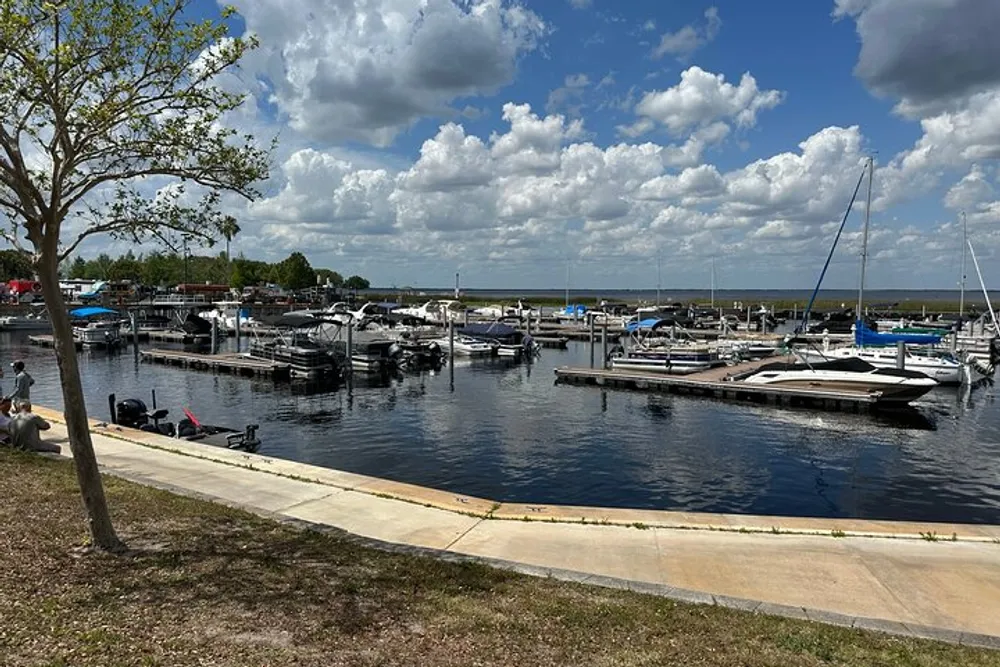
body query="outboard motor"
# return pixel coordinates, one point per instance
(131, 412)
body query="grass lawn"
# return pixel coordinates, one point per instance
(209, 585)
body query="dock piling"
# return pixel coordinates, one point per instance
(215, 336)
(591, 318)
(349, 353)
(135, 334)
(239, 312)
(604, 343)
(900, 355)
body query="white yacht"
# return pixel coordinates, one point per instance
(440, 311)
(226, 313)
(851, 375)
(940, 366)
(467, 346)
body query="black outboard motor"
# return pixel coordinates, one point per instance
(131, 412)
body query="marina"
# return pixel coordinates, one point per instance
(498, 428)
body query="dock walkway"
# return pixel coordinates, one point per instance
(878, 575)
(237, 364)
(721, 383)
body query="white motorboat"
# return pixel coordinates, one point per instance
(466, 346)
(940, 366)
(94, 326)
(850, 375)
(226, 313)
(37, 321)
(676, 358)
(440, 311)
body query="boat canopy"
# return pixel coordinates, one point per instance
(574, 309)
(865, 336)
(92, 311)
(304, 320)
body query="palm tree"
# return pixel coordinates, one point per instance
(229, 229)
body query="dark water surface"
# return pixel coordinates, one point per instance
(505, 432)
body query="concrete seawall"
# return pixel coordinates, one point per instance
(925, 579)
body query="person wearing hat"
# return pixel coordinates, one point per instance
(22, 384)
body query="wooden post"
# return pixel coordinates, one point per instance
(214, 344)
(135, 333)
(451, 340)
(239, 309)
(350, 345)
(592, 340)
(900, 355)
(604, 344)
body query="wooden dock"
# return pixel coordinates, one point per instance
(553, 342)
(237, 364)
(721, 383)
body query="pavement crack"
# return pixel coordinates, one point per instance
(464, 533)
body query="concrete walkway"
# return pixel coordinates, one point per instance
(890, 579)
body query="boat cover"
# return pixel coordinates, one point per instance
(492, 329)
(865, 336)
(90, 311)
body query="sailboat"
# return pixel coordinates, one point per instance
(881, 349)
(849, 373)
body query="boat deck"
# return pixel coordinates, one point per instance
(236, 364)
(722, 383)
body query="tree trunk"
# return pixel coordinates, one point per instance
(75, 411)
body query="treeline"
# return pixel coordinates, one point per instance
(164, 269)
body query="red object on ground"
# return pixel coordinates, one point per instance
(190, 415)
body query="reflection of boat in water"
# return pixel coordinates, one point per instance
(132, 413)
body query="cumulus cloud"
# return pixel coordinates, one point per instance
(926, 52)
(569, 96)
(703, 98)
(365, 70)
(689, 38)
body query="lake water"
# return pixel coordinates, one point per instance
(507, 432)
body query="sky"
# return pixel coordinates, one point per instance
(520, 141)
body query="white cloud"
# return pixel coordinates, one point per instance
(365, 70)
(689, 38)
(701, 98)
(569, 95)
(580, 4)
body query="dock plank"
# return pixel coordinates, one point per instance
(232, 363)
(721, 383)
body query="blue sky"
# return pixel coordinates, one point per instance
(685, 130)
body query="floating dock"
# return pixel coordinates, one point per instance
(721, 383)
(237, 364)
(553, 342)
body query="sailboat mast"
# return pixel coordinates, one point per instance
(657, 277)
(713, 282)
(567, 284)
(859, 313)
(986, 294)
(961, 294)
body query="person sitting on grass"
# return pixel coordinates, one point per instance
(24, 431)
(5, 421)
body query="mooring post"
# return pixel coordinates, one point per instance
(451, 341)
(349, 358)
(900, 355)
(135, 333)
(592, 340)
(214, 344)
(466, 323)
(239, 312)
(604, 344)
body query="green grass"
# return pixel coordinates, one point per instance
(208, 585)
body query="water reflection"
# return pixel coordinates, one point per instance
(504, 430)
